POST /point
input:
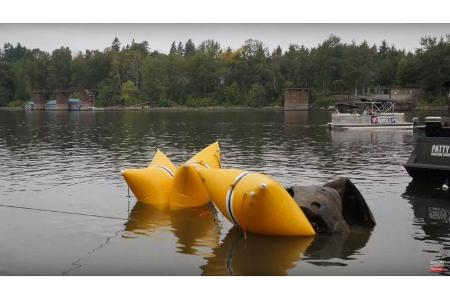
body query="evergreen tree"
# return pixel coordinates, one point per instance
(173, 49)
(208, 74)
(115, 46)
(180, 49)
(189, 49)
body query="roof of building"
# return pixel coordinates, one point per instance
(71, 100)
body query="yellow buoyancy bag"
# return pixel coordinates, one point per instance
(152, 185)
(255, 202)
(188, 190)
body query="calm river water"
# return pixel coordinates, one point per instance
(64, 207)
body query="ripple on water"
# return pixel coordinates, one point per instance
(71, 162)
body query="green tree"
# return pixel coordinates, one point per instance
(434, 63)
(26, 72)
(256, 95)
(359, 66)
(130, 93)
(173, 49)
(60, 69)
(204, 69)
(407, 71)
(6, 83)
(189, 49)
(115, 45)
(207, 74)
(326, 59)
(180, 48)
(387, 61)
(155, 80)
(297, 67)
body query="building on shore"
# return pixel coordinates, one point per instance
(62, 101)
(405, 98)
(73, 104)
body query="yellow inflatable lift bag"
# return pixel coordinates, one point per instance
(255, 202)
(152, 185)
(188, 190)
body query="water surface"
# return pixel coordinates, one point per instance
(64, 207)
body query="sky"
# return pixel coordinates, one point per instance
(79, 37)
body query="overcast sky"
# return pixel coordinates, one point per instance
(99, 36)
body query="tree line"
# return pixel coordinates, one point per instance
(208, 74)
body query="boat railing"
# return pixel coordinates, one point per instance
(382, 107)
(370, 107)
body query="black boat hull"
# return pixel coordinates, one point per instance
(428, 171)
(430, 159)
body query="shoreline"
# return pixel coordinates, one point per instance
(169, 109)
(186, 108)
(213, 108)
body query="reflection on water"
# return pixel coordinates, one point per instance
(255, 254)
(431, 206)
(194, 228)
(342, 246)
(71, 162)
(292, 117)
(370, 136)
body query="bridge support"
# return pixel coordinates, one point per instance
(39, 99)
(296, 99)
(62, 100)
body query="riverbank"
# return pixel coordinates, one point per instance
(186, 108)
(218, 108)
(431, 108)
(10, 108)
(172, 108)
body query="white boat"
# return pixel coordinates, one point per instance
(371, 115)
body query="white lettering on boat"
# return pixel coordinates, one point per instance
(383, 119)
(440, 150)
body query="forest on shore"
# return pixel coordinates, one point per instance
(209, 74)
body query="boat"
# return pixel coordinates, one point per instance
(368, 114)
(430, 159)
(255, 202)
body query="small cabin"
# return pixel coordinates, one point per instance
(74, 104)
(62, 101)
(50, 105)
(29, 105)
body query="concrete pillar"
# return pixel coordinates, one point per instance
(62, 100)
(87, 98)
(296, 99)
(39, 99)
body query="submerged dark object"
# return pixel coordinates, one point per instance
(430, 159)
(329, 246)
(334, 207)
